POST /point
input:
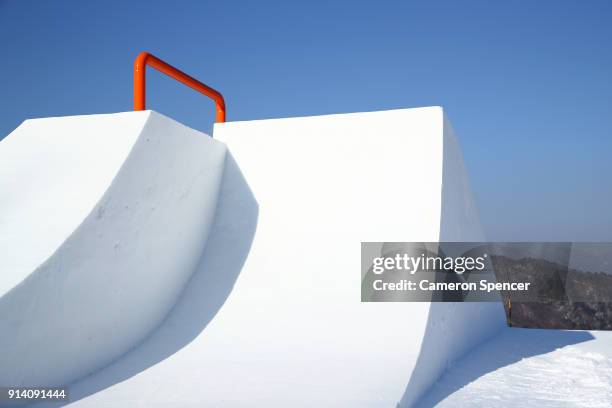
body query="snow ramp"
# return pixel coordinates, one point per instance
(272, 314)
(102, 220)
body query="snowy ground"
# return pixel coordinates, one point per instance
(530, 368)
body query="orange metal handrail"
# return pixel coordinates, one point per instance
(140, 66)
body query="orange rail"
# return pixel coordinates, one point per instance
(140, 78)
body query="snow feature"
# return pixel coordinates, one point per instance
(288, 327)
(103, 220)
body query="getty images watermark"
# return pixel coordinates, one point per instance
(481, 271)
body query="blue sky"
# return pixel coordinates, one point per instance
(526, 84)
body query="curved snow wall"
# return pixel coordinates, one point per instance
(102, 221)
(453, 329)
(324, 184)
(140, 197)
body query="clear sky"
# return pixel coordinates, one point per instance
(526, 84)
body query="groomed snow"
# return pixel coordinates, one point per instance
(104, 219)
(271, 315)
(52, 174)
(287, 328)
(530, 368)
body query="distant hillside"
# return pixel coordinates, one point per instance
(564, 298)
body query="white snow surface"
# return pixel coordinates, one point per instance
(103, 219)
(267, 237)
(272, 315)
(530, 368)
(52, 173)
